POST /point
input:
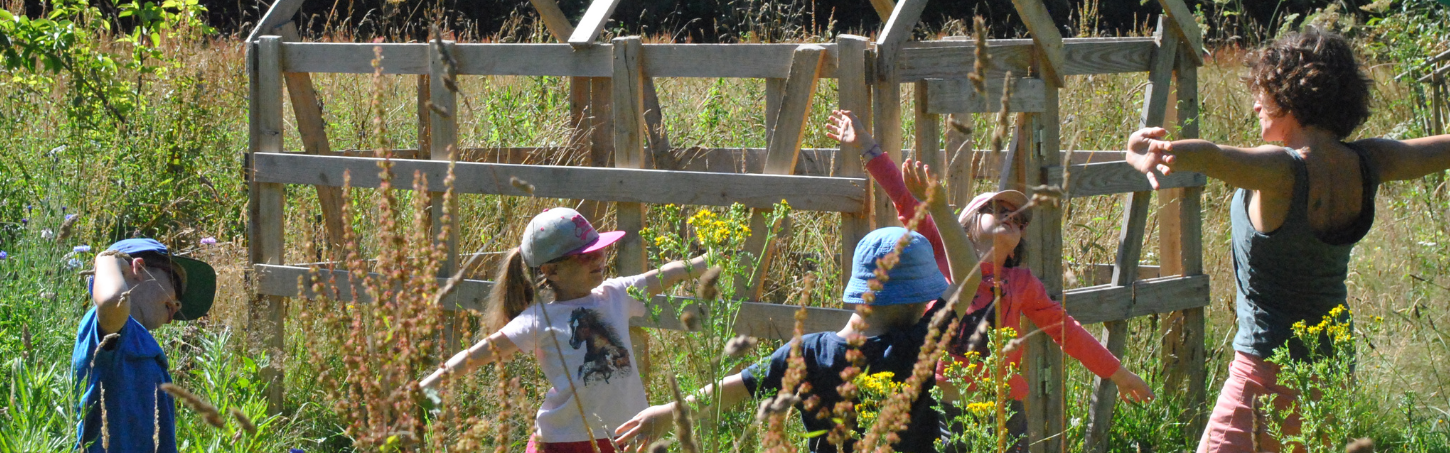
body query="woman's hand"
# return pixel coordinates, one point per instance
(1131, 387)
(922, 184)
(1150, 154)
(846, 128)
(646, 426)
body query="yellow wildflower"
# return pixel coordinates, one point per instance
(981, 408)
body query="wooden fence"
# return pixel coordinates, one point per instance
(616, 113)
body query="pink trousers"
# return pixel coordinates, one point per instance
(1232, 426)
(605, 446)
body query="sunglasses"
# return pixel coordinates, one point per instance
(1006, 213)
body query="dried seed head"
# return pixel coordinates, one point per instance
(708, 288)
(779, 404)
(66, 227)
(690, 320)
(243, 421)
(208, 412)
(1361, 445)
(521, 185)
(110, 339)
(739, 346)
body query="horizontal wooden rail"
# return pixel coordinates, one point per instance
(659, 60)
(810, 193)
(1108, 178)
(766, 320)
(948, 96)
(917, 61)
(1105, 303)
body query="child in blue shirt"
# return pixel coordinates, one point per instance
(117, 366)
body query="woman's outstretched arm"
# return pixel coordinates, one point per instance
(1408, 159)
(1264, 168)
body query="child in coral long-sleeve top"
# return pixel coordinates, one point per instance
(994, 223)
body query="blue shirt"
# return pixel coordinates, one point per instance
(825, 357)
(126, 380)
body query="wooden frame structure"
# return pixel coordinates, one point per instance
(616, 111)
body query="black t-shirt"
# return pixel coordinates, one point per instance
(825, 357)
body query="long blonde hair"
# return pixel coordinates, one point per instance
(515, 287)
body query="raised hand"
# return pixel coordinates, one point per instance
(1150, 154)
(846, 128)
(922, 184)
(646, 426)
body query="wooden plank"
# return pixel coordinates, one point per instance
(1160, 77)
(627, 106)
(777, 321)
(354, 58)
(959, 154)
(894, 34)
(424, 93)
(958, 96)
(1125, 271)
(443, 139)
(281, 12)
(790, 121)
(781, 156)
(853, 94)
(928, 132)
(1096, 304)
(337, 284)
(752, 61)
(554, 19)
(774, 94)
(1081, 56)
(312, 128)
(1044, 256)
(1185, 28)
(1048, 40)
(886, 107)
(601, 146)
(268, 314)
(593, 22)
(1102, 274)
(1189, 349)
(657, 138)
(883, 8)
(1118, 177)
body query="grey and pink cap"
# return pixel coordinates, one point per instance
(561, 232)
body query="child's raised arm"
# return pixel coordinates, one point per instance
(961, 255)
(480, 354)
(671, 273)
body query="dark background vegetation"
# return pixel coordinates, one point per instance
(728, 20)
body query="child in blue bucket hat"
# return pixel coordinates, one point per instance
(117, 366)
(895, 328)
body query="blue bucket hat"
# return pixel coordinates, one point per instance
(914, 279)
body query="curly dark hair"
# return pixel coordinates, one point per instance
(1313, 75)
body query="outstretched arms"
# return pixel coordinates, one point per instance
(960, 254)
(671, 273)
(1408, 159)
(492, 349)
(655, 421)
(1264, 168)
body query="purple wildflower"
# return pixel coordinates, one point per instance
(296, 450)
(81, 249)
(4, 255)
(208, 241)
(68, 216)
(24, 222)
(62, 210)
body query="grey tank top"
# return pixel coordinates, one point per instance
(1292, 274)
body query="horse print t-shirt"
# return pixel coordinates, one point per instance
(592, 335)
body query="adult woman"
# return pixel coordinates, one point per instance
(1299, 208)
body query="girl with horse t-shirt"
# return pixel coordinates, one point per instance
(580, 337)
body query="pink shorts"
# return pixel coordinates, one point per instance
(605, 446)
(1231, 427)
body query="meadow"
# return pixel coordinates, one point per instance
(114, 132)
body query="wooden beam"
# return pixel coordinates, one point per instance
(781, 155)
(886, 107)
(1097, 304)
(1044, 33)
(959, 155)
(628, 109)
(1184, 349)
(312, 128)
(443, 139)
(808, 193)
(337, 284)
(928, 132)
(1185, 28)
(268, 314)
(1160, 78)
(281, 12)
(1125, 272)
(946, 96)
(1118, 177)
(593, 22)
(883, 8)
(853, 94)
(955, 59)
(894, 34)
(601, 146)
(554, 19)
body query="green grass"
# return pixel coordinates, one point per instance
(173, 169)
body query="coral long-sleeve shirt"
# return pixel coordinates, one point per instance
(1022, 293)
